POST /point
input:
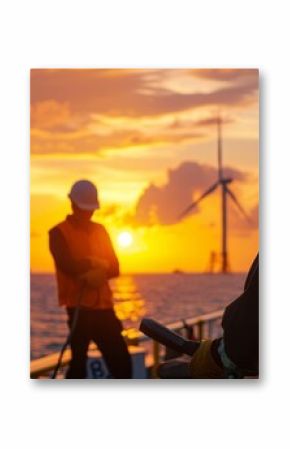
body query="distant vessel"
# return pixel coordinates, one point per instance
(177, 271)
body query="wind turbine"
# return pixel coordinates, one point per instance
(222, 183)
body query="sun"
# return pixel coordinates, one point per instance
(125, 239)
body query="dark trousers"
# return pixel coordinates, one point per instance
(104, 328)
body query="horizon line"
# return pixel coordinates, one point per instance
(149, 272)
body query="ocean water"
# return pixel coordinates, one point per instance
(165, 297)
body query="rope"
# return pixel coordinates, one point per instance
(71, 332)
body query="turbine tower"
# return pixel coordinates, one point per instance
(222, 183)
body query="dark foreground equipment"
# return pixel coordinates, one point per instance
(168, 338)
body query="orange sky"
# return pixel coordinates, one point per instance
(147, 138)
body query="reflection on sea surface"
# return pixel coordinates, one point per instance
(129, 305)
(164, 297)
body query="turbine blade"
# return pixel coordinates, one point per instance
(219, 147)
(195, 203)
(235, 200)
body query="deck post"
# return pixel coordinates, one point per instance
(210, 328)
(200, 329)
(156, 358)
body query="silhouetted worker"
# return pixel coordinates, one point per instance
(85, 260)
(236, 354)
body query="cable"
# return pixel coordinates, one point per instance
(71, 332)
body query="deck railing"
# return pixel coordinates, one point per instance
(203, 326)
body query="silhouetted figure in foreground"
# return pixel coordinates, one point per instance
(85, 260)
(236, 354)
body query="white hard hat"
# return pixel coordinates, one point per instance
(85, 195)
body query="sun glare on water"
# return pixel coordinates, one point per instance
(125, 239)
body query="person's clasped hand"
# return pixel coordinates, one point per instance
(98, 262)
(94, 278)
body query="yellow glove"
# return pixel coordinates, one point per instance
(200, 366)
(203, 365)
(94, 278)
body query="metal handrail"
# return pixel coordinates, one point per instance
(43, 365)
(199, 321)
(195, 321)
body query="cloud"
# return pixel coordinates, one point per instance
(195, 124)
(251, 223)
(163, 204)
(85, 111)
(132, 93)
(49, 114)
(212, 121)
(239, 223)
(86, 142)
(226, 74)
(254, 216)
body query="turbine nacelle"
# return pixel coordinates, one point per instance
(225, 192)
(226, 181)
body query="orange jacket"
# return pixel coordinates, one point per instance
(83, 243)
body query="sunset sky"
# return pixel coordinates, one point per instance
(148, 139)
